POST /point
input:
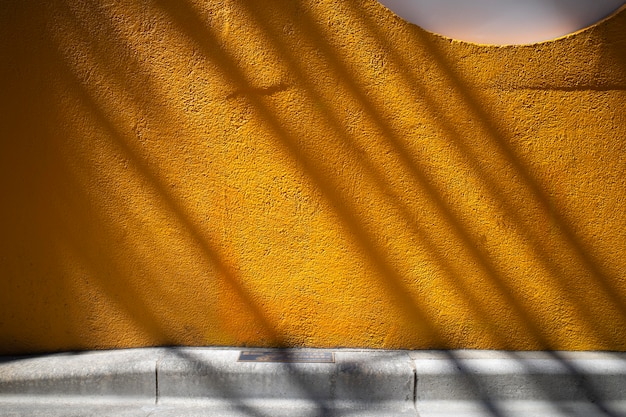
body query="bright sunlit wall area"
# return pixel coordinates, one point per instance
(503, 21)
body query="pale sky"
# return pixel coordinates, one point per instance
(503, 21)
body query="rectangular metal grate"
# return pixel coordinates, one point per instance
(286, 356)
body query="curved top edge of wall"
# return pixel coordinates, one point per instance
(621, 10)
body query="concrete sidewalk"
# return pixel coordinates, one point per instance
(163, 382)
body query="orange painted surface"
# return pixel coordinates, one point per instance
(305, 173)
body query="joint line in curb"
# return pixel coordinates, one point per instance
(156, 380)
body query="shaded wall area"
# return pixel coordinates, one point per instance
(305, 173)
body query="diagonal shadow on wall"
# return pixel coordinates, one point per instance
(352, 216)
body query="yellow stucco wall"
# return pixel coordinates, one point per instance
(305, 173)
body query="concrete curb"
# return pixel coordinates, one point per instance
(127, 375)
(375, 379)
(210, 381)
(490, 383)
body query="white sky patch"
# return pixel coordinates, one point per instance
(503, 21)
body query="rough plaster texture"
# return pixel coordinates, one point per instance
(305, 173)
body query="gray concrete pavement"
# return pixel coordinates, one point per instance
(202, 382)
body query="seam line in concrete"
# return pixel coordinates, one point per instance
(156, 383)
(157, 364)
(414, 370)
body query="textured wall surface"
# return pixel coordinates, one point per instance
(305, 173)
